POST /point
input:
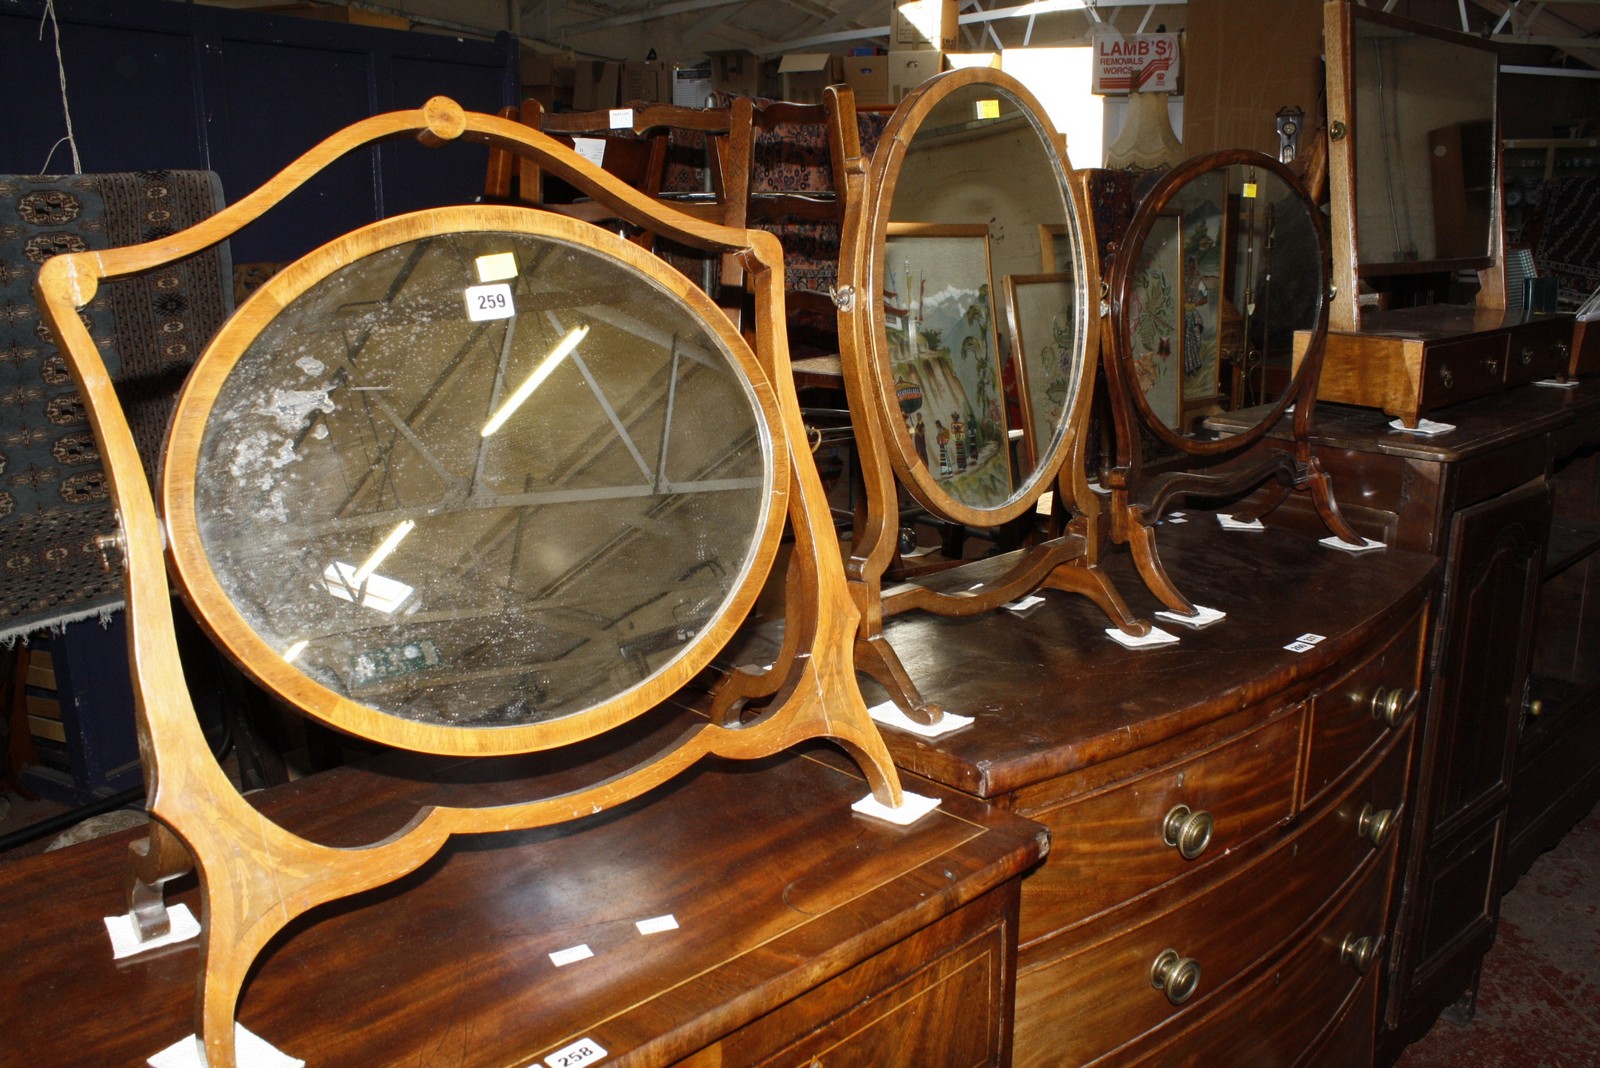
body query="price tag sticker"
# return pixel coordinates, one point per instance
(583, 1051)
(1299, 647)
(572, 955)
(988, 109)
(592, 149)
(492, 301)
(1312, 639)
(1250, 190)
(496, 266)
(621, 118)
(657, 924)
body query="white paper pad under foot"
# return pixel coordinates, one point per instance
(1425, 427)
(253, 1052)
(1229, 523)
(1156, 637)
(1556, 383)
(912, 808)
(1203, 617)
(1333, 541)
(125, 936)
(888, 713)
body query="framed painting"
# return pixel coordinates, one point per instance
(944, 354)
(1039, 315)
(1155, 319)
(1205, 272)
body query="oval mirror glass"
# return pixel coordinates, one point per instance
(979, 266)
(478, 478)
(1230, 270)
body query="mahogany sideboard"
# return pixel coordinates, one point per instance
(1278, 765)
(804, 933)
(1509, 742)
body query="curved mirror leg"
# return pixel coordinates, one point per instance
(1092, 583)
(1142, 540)
(877, 658)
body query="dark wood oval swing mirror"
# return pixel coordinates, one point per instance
(1219, 309)
(967, 358)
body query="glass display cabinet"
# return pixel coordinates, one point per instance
(468, 482)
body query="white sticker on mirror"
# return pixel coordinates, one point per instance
(496, 266)
(492, 301)
(621, 118)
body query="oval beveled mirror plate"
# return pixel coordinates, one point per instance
(482, 478)
(980, 350)
(1231, 268)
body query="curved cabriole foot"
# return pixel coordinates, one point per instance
(877, 658)
(1320, 483)
(1094, 584)
(1142, 540)
(1266, 503)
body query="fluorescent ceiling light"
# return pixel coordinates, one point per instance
(540, 373)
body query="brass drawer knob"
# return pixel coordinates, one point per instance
(1360, 953)
(1525, 358)
(1491, 366)
(1175, 975)
(1374, 824)
(1389, 706)
(1447, 377)
(1187, 831)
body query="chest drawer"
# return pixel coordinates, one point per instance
(1361, 710)
(1456, 371)
(1539, 351)
(1107, 989)
(1319, 984)
(1132, 836)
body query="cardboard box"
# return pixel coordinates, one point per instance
(868, 76)
(921, 25)
(907, 70)
(649, 81)
(806, 74)
(594, 84)
(736, 71)
(548, 68)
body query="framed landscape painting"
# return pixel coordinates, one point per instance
(944, 354)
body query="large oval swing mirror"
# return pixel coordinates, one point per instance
(977, 273)
(1224, 267)
(460, 477)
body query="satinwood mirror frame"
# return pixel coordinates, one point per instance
(971, 105)
(256, 876)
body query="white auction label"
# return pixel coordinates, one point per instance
(657, 924)
(568, 956)
(583, 1051)
(621, 118)
(490, 302)
(496, 266)
(592, 149)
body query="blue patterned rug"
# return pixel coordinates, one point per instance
(53, 494)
